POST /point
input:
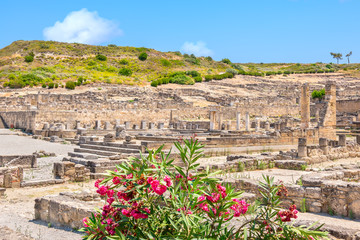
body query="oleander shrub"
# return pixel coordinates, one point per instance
(70, 85)
(143, 56)
(101, 57)
(56, 85)
(208, 78)
(154, 83)
(125, 71)
(151, 198)
(43, 85)
(51, 85)
(181, 79)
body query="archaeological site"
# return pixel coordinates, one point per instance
(218, 139)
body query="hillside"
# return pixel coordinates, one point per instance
(60, 62)
(57, 63)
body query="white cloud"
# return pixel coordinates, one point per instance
(82, 27)
(198, 49)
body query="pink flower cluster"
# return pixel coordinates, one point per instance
(287, 215)
(240, 208)
(157, 187)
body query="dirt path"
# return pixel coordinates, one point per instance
(17, 211)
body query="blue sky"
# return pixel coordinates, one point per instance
(243, 31)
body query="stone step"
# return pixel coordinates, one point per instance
(110, 149)
(96, 152)
(114, 144)
(33, 183)
(83, 155)
(339, 227)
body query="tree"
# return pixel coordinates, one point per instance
(348, 56)
(337, 56)
(143, 56)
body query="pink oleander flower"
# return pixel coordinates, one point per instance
(116, 180)
(214, 197)
(157, 187)
(85, 221)
(110, 193)
(167, 179)
(179, 176)
(286, 215)
(110, 200)
(240, 208)
(125, 212)
(97, 182)
(222, 190)
(130, 176)
(137, 214)
(150, 179)
(102, 190)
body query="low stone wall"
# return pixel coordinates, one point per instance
(70, 171)
(320, 192)
(25, 161)
(11, 177)
(66, 209)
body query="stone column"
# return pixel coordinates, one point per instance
(107, 126)
(212, 120)
(247, 122)
(151, 125)
(358, 139)
(220, 120)
(46, 126)
(127, 124)
(117, 122)
(267, 126)
(77, 125)
(143, 124)
(302, 147)
(342, 140)
(305, 106)
(97, 125)
(160, 125)
(238, 121)
(257, 124)
(323, 142)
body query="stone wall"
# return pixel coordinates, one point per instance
(25, 120)
(25, 161)
(67, 209)
(70, 171)
(11, 177)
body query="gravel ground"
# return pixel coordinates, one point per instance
(12, 144)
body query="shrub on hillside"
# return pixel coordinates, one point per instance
(125, 71)
(226, 60)
(101, 57)
(51, 85)
(232, 71)
(208, 78)
(154, 83)
(30, 57)
(56, 85)
(165, 62)
(193, 73)
(112, 45)
(124, 62)
(208, 58)
(143, 56)
(43, 85)
(182, 79)
(70, 85)
(198, 79)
